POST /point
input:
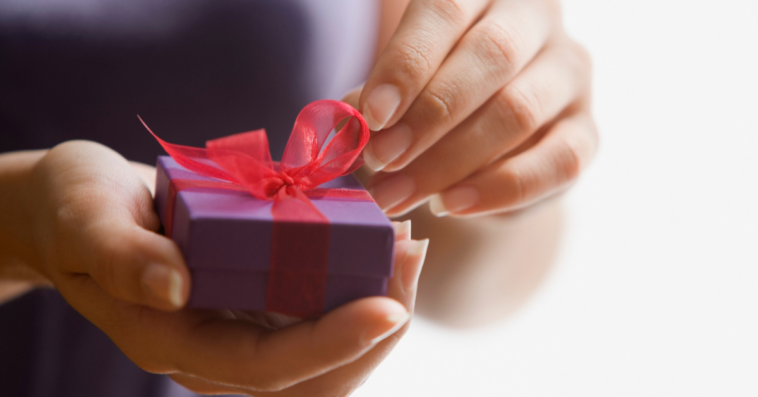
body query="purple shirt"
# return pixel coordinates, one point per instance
(194, 70)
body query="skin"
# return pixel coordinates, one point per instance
(496, 98)
(499, 87)
(82, 219)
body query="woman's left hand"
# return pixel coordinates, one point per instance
(481, 105)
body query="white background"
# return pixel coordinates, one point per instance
(656, 289)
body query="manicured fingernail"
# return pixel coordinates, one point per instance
(385, 147)
(389, 326)
(393, 190)
(380, 105)
(403, 230)
(454, 200)
(413, 263)
(164, 283)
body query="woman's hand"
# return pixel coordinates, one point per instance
(94, 229)
(481, 105)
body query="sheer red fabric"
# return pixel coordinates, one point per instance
(300, 234)
(308, 161)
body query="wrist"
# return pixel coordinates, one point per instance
(19, 256)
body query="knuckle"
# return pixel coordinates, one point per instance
(574, 153)
(524, 104)
(414, 59)
(569, 162)
(439, 104)
(111, 252)
(106, 262)
(451, 11)
(515, 182)
(498, 43)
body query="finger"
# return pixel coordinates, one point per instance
(402, 230)
(136, 265)
(488, 56)
(409, 259)
(531, 176)
(403, 288)
(352, 96)
(146, 173)
(276, 360)
(102, 210)
(556, 78)
(206, 387)
(427, 32)
(235, 352)
(410, 256)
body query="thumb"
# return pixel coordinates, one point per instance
(138, 266)
(352, 96)
(93, 213)
(104, 211)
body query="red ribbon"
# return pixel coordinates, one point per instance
(300, 239)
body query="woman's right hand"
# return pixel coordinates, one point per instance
(94, 229)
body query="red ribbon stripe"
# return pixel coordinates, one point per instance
(300, 239)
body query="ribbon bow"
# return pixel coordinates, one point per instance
(244, 159)
(300, 233)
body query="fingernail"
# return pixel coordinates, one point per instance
(412, 269)
(393, 190)
(163, 283)
(381, 105)
(454, 200)
(389, 326)
(385, 147)
(402, 230)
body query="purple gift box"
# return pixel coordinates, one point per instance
(228, 241)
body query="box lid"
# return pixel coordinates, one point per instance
(227, 229)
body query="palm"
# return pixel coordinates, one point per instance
(99, 232)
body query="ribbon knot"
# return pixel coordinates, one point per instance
(282, 181)
(244, 159)
(287, 180)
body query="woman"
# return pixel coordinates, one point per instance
(480, 107)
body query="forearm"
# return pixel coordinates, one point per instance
(18, 255)
(480, 270)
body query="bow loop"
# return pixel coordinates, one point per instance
(304, 158)
(244, 159)
(251, 143)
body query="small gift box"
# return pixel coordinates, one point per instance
(298, 237)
